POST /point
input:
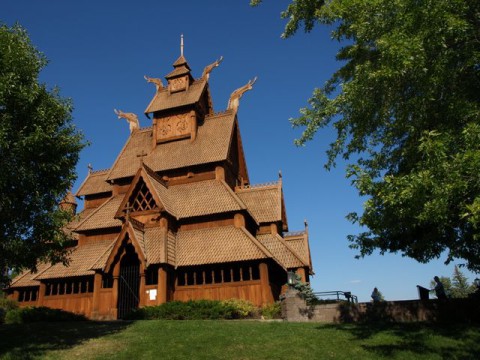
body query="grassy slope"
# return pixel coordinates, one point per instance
(236, 340)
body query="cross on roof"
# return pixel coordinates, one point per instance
(127, 209)
(142, 155)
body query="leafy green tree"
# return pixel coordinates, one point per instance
(457, 286)
(39, 148)
(406, 107)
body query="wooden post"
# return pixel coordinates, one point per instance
(41, 293)
(143, 294)
(162, 286)
(114, 304)
(97, 285)
(267, 296)
(16, 295)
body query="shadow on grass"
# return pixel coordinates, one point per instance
(27, 341)
(447, 341)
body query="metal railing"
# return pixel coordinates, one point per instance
(337, 296)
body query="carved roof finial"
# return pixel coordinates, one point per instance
(234, 101)
(131, 118)
(208, 69)
(181, 45)
(158, 82)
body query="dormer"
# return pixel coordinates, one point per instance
(180, 78)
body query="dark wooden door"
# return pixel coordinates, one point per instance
(128, 283)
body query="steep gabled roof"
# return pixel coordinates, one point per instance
(282, 251)
(149, 242)
(299, 242)
(103, 216)
(27, 278)
(131, 234)
(264, 201)
(81, 260)
(127, 162)
(186, 200)
(95, 182)
(147, 177)
(164, 100)
(211, 145)
(217, 245)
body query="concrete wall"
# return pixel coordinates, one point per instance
(294, 308)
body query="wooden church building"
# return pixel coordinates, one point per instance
(174, 218)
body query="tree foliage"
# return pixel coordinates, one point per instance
(39, 148)
(406, 107)
(457, 286)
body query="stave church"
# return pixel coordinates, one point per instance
(174, 218)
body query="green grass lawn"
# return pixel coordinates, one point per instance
(152, 339)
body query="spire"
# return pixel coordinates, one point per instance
(181, 45)
(180, 78)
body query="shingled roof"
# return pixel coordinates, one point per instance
(164, 100)
(95, 183)
(217, 245)
(103, 216)
(281, 250)
(199, 198)
(82, 258)
(264, 201)
(27, 278)
(298, 241)
(211, 145)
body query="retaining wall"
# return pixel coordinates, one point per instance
(294, 308)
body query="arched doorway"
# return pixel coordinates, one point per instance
(128, 282)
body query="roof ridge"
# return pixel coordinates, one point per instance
(260, 245)
(294, 233)
(154, 175)
(235, 196)
(109, 247)
(96, 210)
(97, 172)
(218, 113)
(130, 137)
(238, 200)
(293, 251)
(260, 186)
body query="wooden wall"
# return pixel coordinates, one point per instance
(247, 290)
(76, 303)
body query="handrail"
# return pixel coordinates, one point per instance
(346, 294)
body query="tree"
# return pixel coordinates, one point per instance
(457, 286)
(406, 107)
(39, 148)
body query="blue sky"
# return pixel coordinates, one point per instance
(100, 50)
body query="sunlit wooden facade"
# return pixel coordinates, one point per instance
(174, 218)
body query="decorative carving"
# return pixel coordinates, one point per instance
(178, 84)
(174, 127)
(131, 118)
(165, 129)
(234, 101)
(182, 125)
(208, 69)
(158, 82)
